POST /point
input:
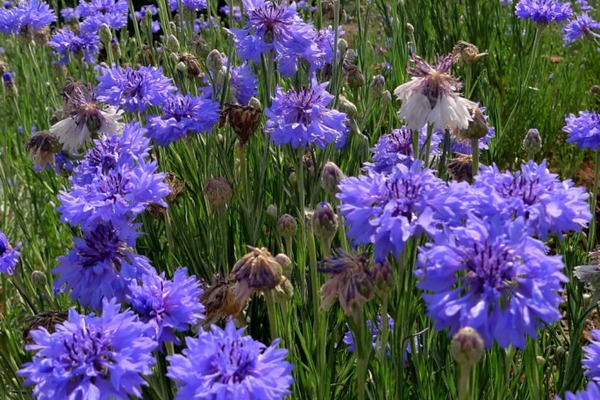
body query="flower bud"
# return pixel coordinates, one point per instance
(284, 291)
(355, 78)
(386, 97)
(410, 29)
(199, 46)
(286, 264)
(218, 192)
(172, 44)
(181, 67)
(342, 45)
(467, 347)
(272, 211)
(174, 58)
(39, 279)
(377, 86)
(192, 65)
(383, 277)
(115, 47)
(214, 61)
(255, 103)
(532, 144)
(9, 83)
(331, 177)
(324, 221)
(347, 107)
(105, 34)
(287, 226)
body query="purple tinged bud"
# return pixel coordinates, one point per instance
(287, 226)
(324, 221)
(467, 347)
(331, 177)
(218, 192)
(532, 144)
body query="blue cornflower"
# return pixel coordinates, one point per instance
(242, 84)
(374, 328)
(142, 13)
(491, 276)
(584, 5)
(396, 148)
(97, 12)
(118, 196)
(168, 305)
(237, 12)
(196, 5)
(580, 27)
(388, 209)
(543, 11)
(272, 27)
(591, 360)
(546, 204)
(100, 266)
(85, 45)
(9, 256)
(133, 90)
(591, 392)
(464, 147)
(26, 17)
(182, 115)
(225, 364)
(91, 357)
(301, 118)
(113, 151)
(70, 14)
(584, 130)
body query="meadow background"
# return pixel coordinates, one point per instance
(527, 79)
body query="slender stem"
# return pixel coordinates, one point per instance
(270, 301)
(463, 382)
(592, 232)
(384, 326)
(475, 153)
(428, 144)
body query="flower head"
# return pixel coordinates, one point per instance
(580, 27)
(100, 266)
(182, 115)
(97, 357)
(301, 118)
(257, 271)
(546, 204)
(9, 256)
(26, 17)
(591, 392)
(351, 281)
(387, 209)
(133, 89)
(431, 97)
(226, 364)
(42, 146)
(84, 45)
(491, 276)
(591, 360)
(543, 11)
(584, 130)
(97, 12)
(168, 305)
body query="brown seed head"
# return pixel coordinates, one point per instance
(257, 271)
(244, 120)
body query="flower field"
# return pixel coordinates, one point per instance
(326, 199)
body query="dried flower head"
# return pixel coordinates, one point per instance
(351, 281)
(218, 192)
(42, 146)
(467, 52)
(477, 127)
(461, 168)
(220, 301)
(45, 319)
(244, 120)
(257, 271)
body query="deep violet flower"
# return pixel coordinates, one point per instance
(223, 364)
(91, 357)
(9, 256)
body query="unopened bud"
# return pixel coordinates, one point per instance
(115, 47)
(218, 192)
(410, 29)
(174, 58)
(377, 86)
(105, 34)
(286, 264)
(342, 45)
(355, 78)
(347, 107)
(255, 103)
(172, 43)
(532, 144)
(331, 177)
(287, 225)
(386, 97)
(383, 277)
(324, 221)
(467, 347)
(214, 61)
(181, 67)
(39, 279)
(9, 83)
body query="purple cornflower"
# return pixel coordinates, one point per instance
(301, 118)
(100, 266)
(546, 204)
(226, 364)
(387, 209)
(70, 14)
(97, 12)
(396, 148)
(142, 13)
(464, 147)
(591, 392)
(591, 360)
(133, 89)
(272, 27)
(543, 11)
(91, 357)
(431, 96)
(169, 305)
(9, 256)
(584, 5)
(237, 12)
(374, 328)
(182, 115)
(26, 17)
(580, 27)
(491, 276)
(242, 84)
(85, 45)
(584, 130)
(196, 5)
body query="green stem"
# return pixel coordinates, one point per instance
(463, 382)
(270, 301)
(384, 326)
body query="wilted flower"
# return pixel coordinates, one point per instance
(170, 305)
(221, 301)
(490, 275)
(244, 120)
(543, 11)
(388, 209)
(431, 97)
(42, 146)
(477, 127)
(301, 118)
(9, 256)
(584, 130)
(133, 90)
(350, 282)
(100, 266)
(91, 356)
(461, 168)
(580, 27)
(46, 319)
(226, 364)
(257, 271)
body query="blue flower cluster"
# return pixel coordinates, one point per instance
(583, 130)
(97, 12)
(26, 17)
(543, 11)
(579, 27)
(85, 46)
(9, 256)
